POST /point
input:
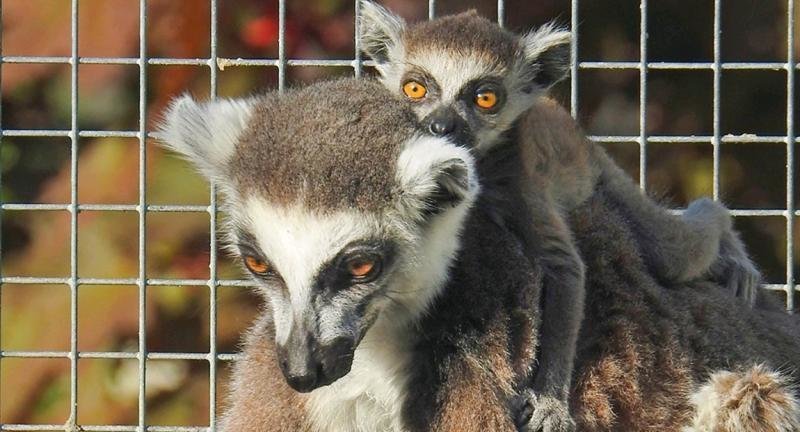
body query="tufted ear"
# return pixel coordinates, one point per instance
(380, 32)
(435, 176)
(546, 54)
(205, 133)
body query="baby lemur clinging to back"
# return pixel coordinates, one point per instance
(467, 77)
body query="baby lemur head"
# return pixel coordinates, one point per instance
(344, 212)
(463, 72)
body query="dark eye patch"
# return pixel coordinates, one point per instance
(335, 275)
(472, 88)
(247, 247)
(420, 75)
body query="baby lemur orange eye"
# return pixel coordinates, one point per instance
(361, 268)
(257, 265)
(414, 90)
(486, 99)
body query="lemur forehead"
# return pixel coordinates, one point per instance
(327, 146)
(464, 34)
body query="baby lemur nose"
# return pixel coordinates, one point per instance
(442, 121)
(442, 126)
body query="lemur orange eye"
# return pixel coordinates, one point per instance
(486, 99)
(414, 90)
(257, 265)
(361, 268)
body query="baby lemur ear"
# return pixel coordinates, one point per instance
(434, 176)
(205, 133)
(547, 54)
(380, 32)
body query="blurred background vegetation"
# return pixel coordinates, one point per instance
(36, 170)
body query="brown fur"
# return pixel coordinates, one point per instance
(643, 349)
(752, 400)
(556, 155)
(262, 402)
(478, 387)
(466, 32)
(282, 141)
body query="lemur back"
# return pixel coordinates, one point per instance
(466, 76)
(699, 243)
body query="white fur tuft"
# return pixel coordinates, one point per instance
(419, 167)
(381, 34)
(758, 399)
(205, 133)
(544, 38)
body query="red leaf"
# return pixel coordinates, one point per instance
(261, 32)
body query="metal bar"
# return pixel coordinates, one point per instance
(643, 94)
(65, 133)
(121, 355)
(629, 65)
(281, 45)
(574, 65)
(745, 138)
(699, 139)
(501, 13)
(357, 39)
(101, 428)
(106, 207)
(790, 142)
(73, 248)
(35, 280)
(223, 62)
(142, 212)
(431, 9)
(716, 139)
(212, 253)
(1, 189)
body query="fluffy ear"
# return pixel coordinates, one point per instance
(380, 31)
(546, 52)
(434, 176)
(205, 133)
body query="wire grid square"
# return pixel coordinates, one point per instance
(215, 64)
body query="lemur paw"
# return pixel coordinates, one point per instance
(735, 270)
(541, 414)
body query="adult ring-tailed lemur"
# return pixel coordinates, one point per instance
(398, 300)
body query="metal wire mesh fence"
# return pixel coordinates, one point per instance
(216, 63)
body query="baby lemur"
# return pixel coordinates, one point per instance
(466, 77)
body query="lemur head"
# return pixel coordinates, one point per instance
(464, 72)
(343, 211)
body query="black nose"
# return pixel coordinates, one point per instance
(303, 383)
(310, 365)
(300, 375)
(336, 358)
(442, 126)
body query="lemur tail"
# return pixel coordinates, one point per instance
(754, 400)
